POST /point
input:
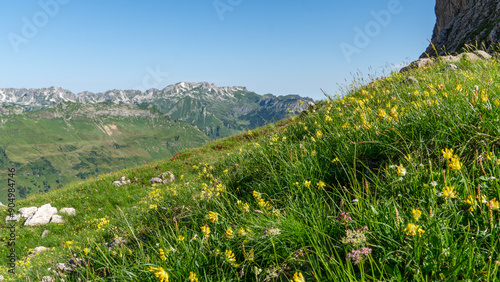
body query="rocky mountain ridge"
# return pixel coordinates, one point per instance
(217, 111)
(462, 22)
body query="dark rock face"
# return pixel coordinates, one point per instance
(464, 22)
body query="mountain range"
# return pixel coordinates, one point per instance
(216, 111)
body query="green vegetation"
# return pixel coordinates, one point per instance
(53, 147)
(397, 181)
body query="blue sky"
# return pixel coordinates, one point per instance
(273, 46)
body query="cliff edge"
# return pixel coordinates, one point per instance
(461, 22)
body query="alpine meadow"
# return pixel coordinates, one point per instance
(339, 175)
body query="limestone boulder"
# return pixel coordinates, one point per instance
(41, 216)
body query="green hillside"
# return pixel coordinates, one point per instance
(396, 181)
(53, 147)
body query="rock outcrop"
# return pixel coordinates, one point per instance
(462, 22)
(39, 216)
(163, 178)
(421, 63)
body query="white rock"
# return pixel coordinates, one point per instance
(15, 217)
(45, 233)
(47, 279)
(27, 212)
(39, 249)
(450, 59)
(41, 216)
(167, 176)
(1, 205)
(57, 219)
(482, 54)
(68, 211)
(156, 180)
(469, 56)
(451, 67)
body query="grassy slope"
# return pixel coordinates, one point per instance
(49, 152)
(358, 190)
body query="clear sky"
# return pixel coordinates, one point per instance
(272, 46)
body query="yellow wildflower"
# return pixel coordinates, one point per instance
(455, 163)
(416, 214)
(447, 153)
(205, 230)
(262, 203)
(298, 277)
(229, 256)
(213, 217)
(250, 255)
(162, 255)
(413, 229)
(448, 193)
(401, 170)
(490, 156)
(394, 112)
(335, 160)
(180, 238)
(192, 277)
(159, 273)
(319, 134)
(307, 184)
(381, 113)
(229, 233)
(493, 204)
(321, 185)
(470, 200)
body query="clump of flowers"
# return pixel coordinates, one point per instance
(356, 256)
(160, 273)
(401, 170)
(355, 238)
(454, 163)
(230, 258)
(344, 217)
(243, 206)
(472, 202)
(298, 277)
(229, 233)
(162, 255)
(493, 204)
(321, 185)
(205, 230)
(213, 217)
(413, 230)
(192, 277)
(448, 193)
(447, 153)
(250, 255)
(416, 214)
(272, 231)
